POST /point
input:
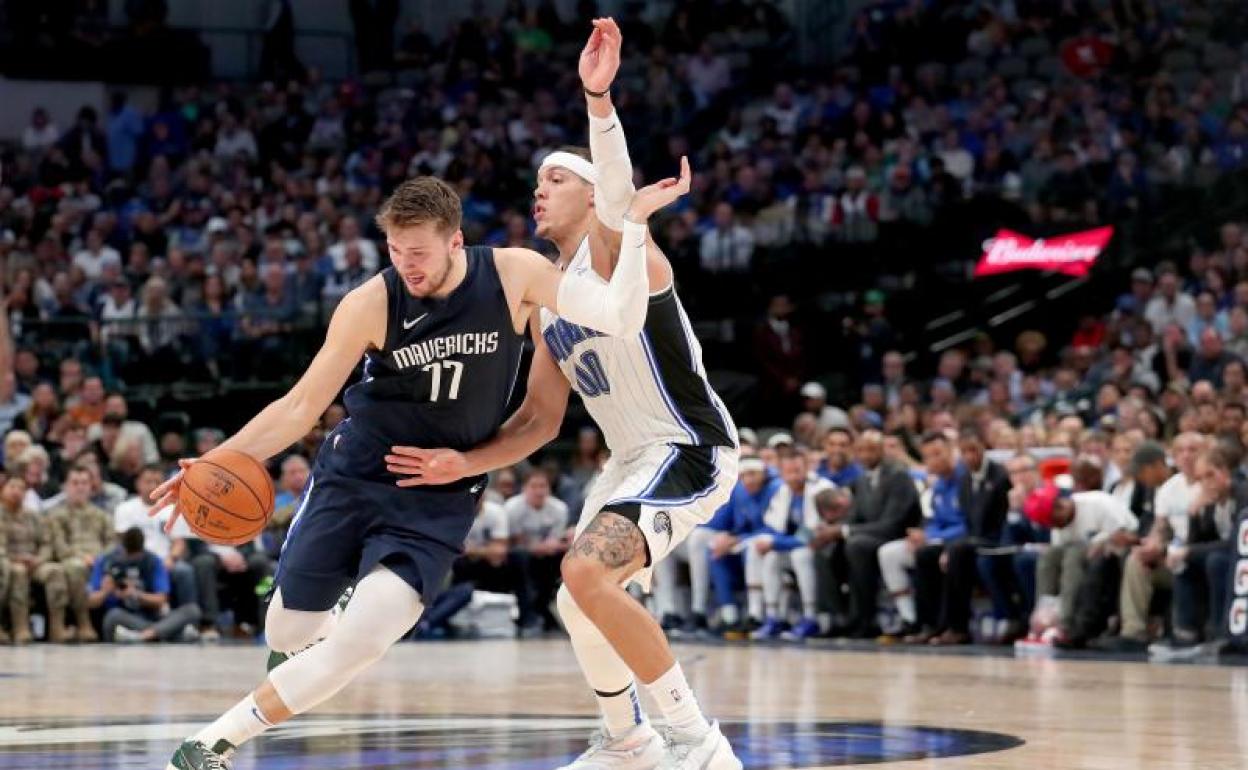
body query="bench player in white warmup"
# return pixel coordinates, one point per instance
(673, 448)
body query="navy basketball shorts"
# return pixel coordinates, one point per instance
(344, 527)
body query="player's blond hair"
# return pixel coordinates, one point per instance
(425, 199)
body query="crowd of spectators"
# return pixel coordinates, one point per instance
(197, 236)
(197, 232)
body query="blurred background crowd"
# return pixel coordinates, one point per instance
(169, 256)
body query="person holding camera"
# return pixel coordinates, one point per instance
(132, 585)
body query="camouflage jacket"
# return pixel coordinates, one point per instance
(27, 534)
(81, 530)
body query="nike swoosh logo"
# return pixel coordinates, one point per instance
(409, 324)
(609, 130)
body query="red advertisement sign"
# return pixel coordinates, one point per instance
(1072, 254)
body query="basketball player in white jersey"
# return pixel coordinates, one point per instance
(673, 449)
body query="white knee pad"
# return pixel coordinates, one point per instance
(292, 630)
(382, 610)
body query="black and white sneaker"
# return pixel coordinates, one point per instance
(195, 755)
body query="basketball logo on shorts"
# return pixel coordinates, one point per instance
(663, 524)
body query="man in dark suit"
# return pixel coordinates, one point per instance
(885, 505)
(945, 577)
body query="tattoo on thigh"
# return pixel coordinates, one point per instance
(611, 539)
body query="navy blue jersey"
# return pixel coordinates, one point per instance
(443, 378)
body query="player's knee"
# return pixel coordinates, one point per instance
(582, 576)
(279, 635)
(290, 630)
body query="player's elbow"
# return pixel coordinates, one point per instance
(299, 409)
(549, 427)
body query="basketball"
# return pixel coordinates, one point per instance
(227, 497)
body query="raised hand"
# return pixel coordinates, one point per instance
(600, 59)
(651, 198)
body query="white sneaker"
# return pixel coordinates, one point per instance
(123, 635)
(638, 749)
(708, 752)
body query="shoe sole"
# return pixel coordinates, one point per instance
(651, 763)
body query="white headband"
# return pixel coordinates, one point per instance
(752, 464)
(574, 163)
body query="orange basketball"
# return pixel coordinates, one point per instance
(226, 497)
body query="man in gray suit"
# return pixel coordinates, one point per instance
(885, 505)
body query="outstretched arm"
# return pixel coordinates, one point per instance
(358, 321)
(600, 60)
(608, 148)
(617, 308)
(534, 424)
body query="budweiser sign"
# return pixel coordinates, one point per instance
(1072, 254)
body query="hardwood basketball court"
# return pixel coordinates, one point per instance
(504, 704)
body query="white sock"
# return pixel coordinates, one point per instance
(754, 596)
(236, 726)
(730, 614)
(621, 711)
(677, 702)
(905, 607)
(604, 669)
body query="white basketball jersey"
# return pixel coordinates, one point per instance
(642, 390)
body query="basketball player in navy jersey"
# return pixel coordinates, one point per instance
(440, 333)
(673, 449)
